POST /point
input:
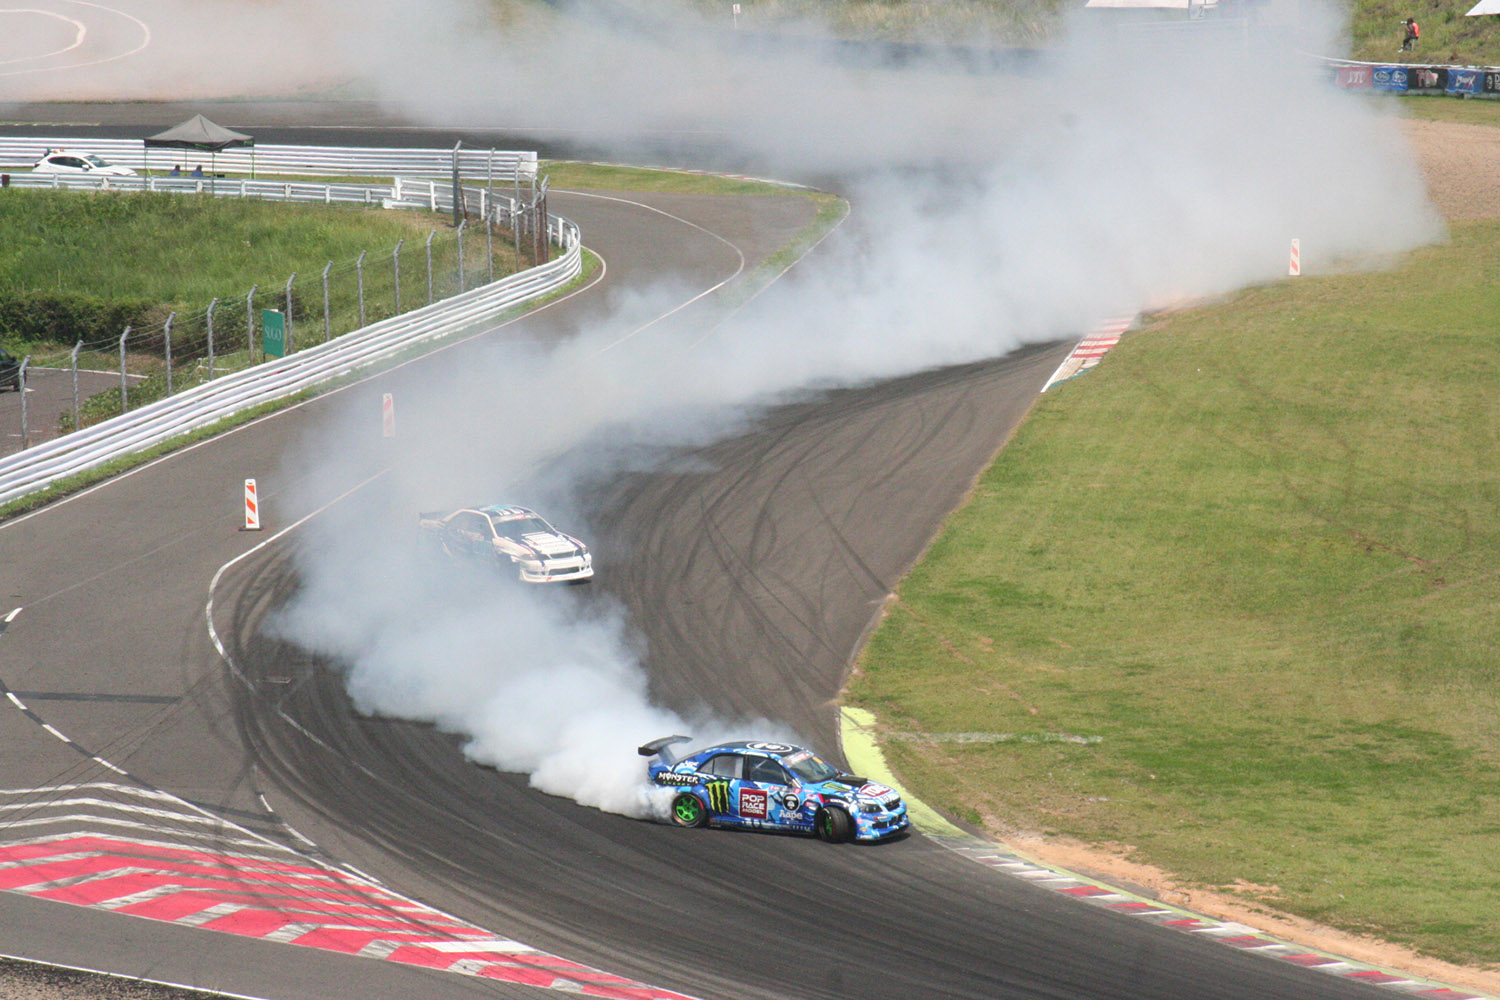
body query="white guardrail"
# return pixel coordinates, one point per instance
(502, 166)
(35, 468)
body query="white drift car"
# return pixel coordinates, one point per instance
(509, 536)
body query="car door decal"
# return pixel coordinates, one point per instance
(718, 795)
(754, 803)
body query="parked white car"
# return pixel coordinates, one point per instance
(60, 161)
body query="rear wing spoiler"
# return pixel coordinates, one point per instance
(661, 748)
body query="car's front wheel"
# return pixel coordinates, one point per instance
(687, 810)
(833, 825)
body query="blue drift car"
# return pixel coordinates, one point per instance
(772, 786)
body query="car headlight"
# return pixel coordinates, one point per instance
(871, 807)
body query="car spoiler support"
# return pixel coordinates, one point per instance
(660, 748)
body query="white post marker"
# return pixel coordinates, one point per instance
(1295, 267)
(252, 507)
(387, 416)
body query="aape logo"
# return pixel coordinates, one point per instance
(753, 804)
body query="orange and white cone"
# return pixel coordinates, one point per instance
(252, 507)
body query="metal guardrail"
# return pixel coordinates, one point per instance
(434, 195)
(155, 423)
(495, 166)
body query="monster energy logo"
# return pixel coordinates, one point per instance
(718, 796)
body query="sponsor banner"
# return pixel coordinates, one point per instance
(1429, 77)
(1492, 82)
(1390, 78)
(1352, 77)
(1466, 81)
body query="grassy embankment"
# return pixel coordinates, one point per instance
(1448, 37)
(1250, 563)
(70, 253)
(80, 266)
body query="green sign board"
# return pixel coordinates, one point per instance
(273, 333)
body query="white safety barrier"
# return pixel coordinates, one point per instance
(36, 468)
(495, 166)
(433, 195)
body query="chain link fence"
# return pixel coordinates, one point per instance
(496, 234)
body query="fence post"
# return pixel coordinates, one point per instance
(461, 225)
(250, 322)
(429, 265)
(124, 386)
(211, 338)
(489, 240)
(327, 317)
(359, 273)
(396, 258)
(74, 360)
(25, 427)
(289, 312)
(458, 205)
(167, 336)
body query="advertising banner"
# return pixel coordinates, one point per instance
(1492, 81)
(1390, 78)
(1429, 77)
(1466, 81)
(1352, 77)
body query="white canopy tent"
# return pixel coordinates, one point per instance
(1484, 7)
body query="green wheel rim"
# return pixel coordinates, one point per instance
(688, 809)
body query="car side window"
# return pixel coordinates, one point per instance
(767, 770)
(725, 765)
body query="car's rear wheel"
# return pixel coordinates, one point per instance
(687, 810)
(833, 825)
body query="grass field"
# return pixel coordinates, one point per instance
(1231, 600)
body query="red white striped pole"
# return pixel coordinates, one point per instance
(1295, 267)
(388, 415)
(252, 507)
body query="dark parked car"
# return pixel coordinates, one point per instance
(10, 372)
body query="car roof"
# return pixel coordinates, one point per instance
(500, 512)
(761, 748)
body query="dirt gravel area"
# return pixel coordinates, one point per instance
(1458, 162)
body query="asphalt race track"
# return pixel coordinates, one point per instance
(752, 573)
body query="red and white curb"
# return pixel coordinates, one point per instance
(145, 853)
(118, 845)
(1234, 935)
(1090, 350)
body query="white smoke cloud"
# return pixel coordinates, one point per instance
(992, 210)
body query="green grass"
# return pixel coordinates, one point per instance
(182, 249)
(1254, 554)
(1448, 37)
(1449, 109)
(581, 176)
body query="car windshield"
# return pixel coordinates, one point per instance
(523, 526)
(96, 161)
(809, 768)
